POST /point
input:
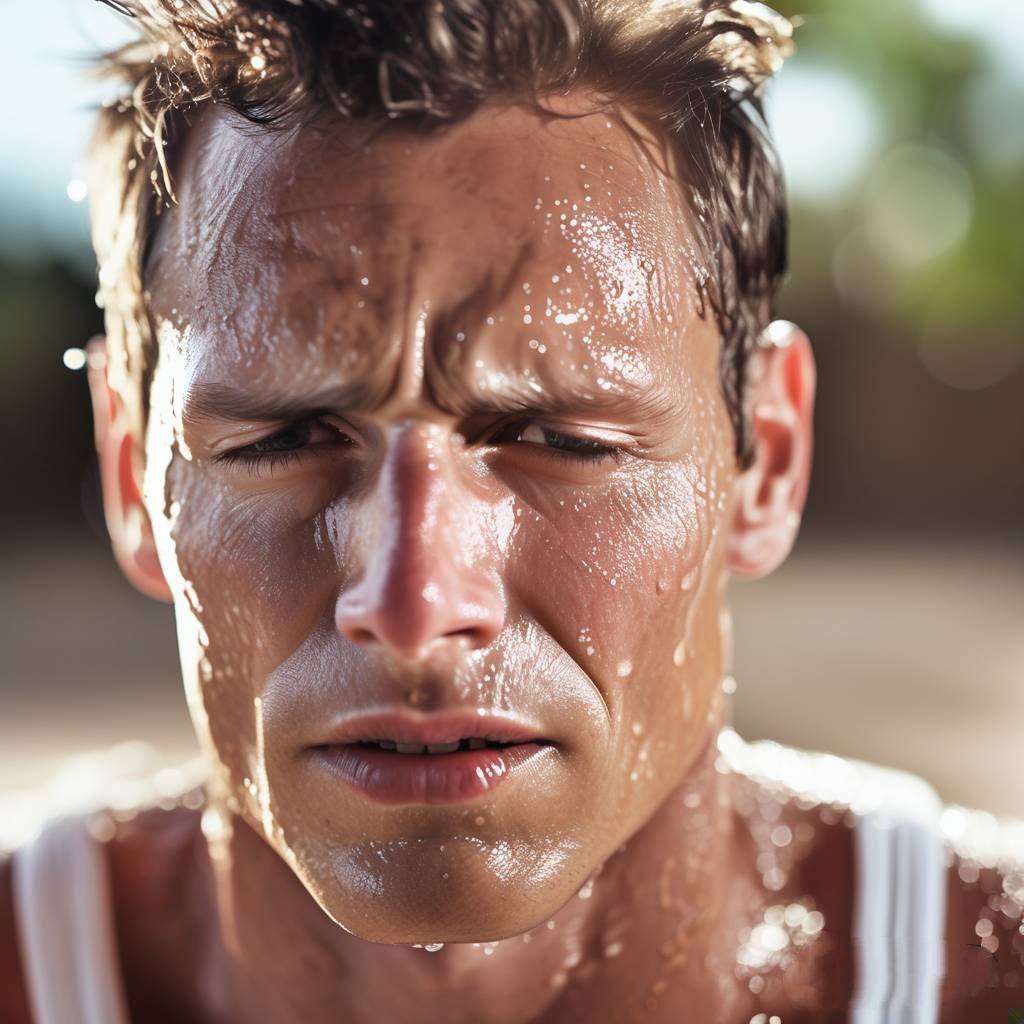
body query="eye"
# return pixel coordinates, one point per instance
(557, 443)
(287, 445)
(295, 435)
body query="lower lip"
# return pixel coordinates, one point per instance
(392, 778)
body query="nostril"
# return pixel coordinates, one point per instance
(358, 635)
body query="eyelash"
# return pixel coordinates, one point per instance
(255, 462)
(598, 454)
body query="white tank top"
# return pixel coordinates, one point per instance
(69, 952)
(65, 927)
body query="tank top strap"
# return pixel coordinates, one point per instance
(65, 927)
(900, 900)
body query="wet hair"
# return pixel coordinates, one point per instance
(693, 67)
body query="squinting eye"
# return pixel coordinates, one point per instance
(559, 444)
(536, 434)
(287, 445)
(295, 435)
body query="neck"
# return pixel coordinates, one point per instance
(642, 932)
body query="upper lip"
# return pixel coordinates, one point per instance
(434, 728)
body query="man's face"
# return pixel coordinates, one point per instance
(436, 429)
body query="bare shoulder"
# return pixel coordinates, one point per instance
(13, 997)
(159, 879)
(155, 864)
(794, 954)
(984, 917)
(806, 804)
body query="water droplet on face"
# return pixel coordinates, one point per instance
(623, 669)
(433, 947)
(679, 654)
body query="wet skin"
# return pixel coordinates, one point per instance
(502, 483)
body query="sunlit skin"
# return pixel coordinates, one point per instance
(417, 552)
(439, 302)
(437, 426)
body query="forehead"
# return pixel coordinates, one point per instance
(508, 235)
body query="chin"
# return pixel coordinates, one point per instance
(432, 890)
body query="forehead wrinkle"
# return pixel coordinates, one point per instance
(371, 209)
(496, 286)
(493, 291)
(217, 213)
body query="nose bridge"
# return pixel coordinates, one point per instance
(421, 584)
(417, 524)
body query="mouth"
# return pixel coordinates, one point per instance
(394, 759)
(466, 743)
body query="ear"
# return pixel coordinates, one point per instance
(770, 494)
(121, 461)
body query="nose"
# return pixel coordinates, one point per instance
(421, 585)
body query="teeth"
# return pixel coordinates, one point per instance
(473, 743)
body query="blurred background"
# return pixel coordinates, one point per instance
(894, 634)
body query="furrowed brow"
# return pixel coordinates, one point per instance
(209, 400)
(653, 404)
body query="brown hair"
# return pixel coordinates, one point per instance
(695, 66)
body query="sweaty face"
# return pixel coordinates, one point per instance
(437, 453)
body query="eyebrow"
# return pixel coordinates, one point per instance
(223, 401)
(555, 398)
(212, 400)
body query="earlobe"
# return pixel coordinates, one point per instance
(769, 495)
(131, 533)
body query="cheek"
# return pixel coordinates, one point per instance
(624, 578)
(620, 567)
(253, 576)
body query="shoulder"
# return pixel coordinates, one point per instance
(154, 859)
(145, 825)
(159, 878)
(835, 815)
(793, 810)
(13, 997)
(984, 937)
